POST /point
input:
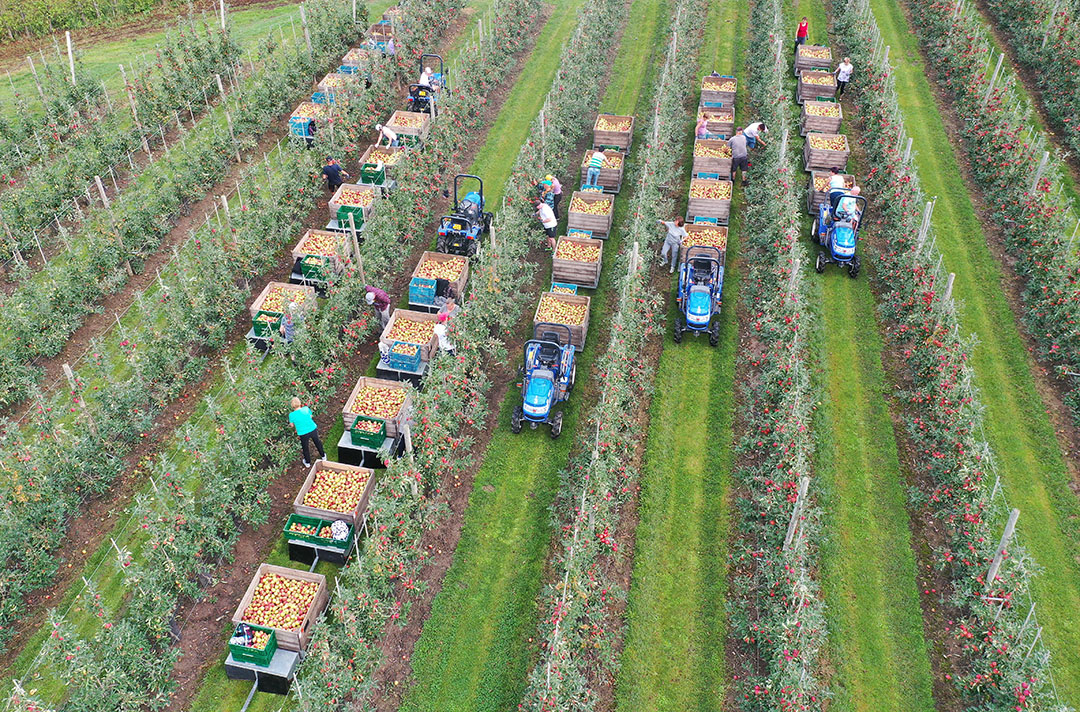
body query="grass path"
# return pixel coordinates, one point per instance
(674, 654)
(868, 577)
(1029, 456)
(101, 59)
(474, 652)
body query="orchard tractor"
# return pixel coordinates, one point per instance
(460, 231)
(547, 378)
(424, 99)
(701, 281)
(837, 230)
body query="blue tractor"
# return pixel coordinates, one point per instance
(424, 99)
(460, 231)
(701, 281)
(837, 230)
(547, 378)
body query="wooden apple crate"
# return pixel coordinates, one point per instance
(395, 124)
(458, 284)
(690, 240)
(719, 89)
(358, 57)
(295, 640)
(374, 153)
(610, 178)
(578, 332)
(708, 207)
(336, 259)
(804, 90)
(815, 197)
(307, 305)
(600, 225)
(618, 139)
(804, 62)
(381, 31)
(426, 350)
(583, 274)
(820, 124)
(718, 120)
(310, 110)
(335, 202)
(393, 425)
(337, 83)
(824, 158)
(354, 517)
(708, 164)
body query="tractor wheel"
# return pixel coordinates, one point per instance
(853, 269)
(474, 245)
(814, 231)
(440, 244)
(820, 264)
(515, 419)
(677, 333)
(714, 335)
(556, 425)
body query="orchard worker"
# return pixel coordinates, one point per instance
(673, 241)
(379, 299)
(333, 173)
(555, 191)
(801, 33)
(445, 345)
(739, 159)
(309, 133)
(306, 429)
(546, 216)
(385, 132)
(701, 130)
(843, 75)
(848, 207)
(450, 307)
(754, 134)
(425, 78)
(837, 187)
(596, 162)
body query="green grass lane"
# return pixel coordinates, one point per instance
(101, 59)
(1028, 454)
(674, 653)
(474, 652)
(868, 578)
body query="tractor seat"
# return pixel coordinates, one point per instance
(702, 271)
(548, 354)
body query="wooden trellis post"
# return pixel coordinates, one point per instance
(949, 285)
(221, 6)
(796, 512)
(33, 70)
(307, 35)
(999, 556)
(101, 190)
(71, 57)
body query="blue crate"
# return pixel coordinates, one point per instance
(298, 126)
(578, 232)
(709, 176)
(422, 291)
(564, 288)
(321, 97)
(348, 69)
(699, 220)
(713, 104)
(403, 362)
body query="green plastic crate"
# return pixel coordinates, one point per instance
(314, 267)
(251, 655)
(313, 539)
(266, 329)
(343, 216)
(363, 438)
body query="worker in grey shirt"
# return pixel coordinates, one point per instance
(738, 155)
(672, 241)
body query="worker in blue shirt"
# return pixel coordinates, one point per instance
(306, 428)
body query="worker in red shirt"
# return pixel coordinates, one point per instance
(801, 33)
(380, 300)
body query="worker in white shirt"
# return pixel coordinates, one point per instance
(546, 216)
(754, 132)
(837, 187)
(843, 75)
(425, 78)
(384, 132)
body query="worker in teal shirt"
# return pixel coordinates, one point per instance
(305, 428)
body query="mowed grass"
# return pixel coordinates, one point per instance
(1028, 454)
(868, 578)
(102, 59)
(674, 655)
(476, 647)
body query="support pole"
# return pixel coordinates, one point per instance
(307, 35)
(993, 78)
(131, 98)
(71, 57)
(949, 285)
(101, 190)
(221, 5)
(33, 70)
(796, 512)
(1039, 172)
(1006, 536)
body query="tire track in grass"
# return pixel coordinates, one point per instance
(674, 654)
(868, 574)
(1029, 456)
(474, 652)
